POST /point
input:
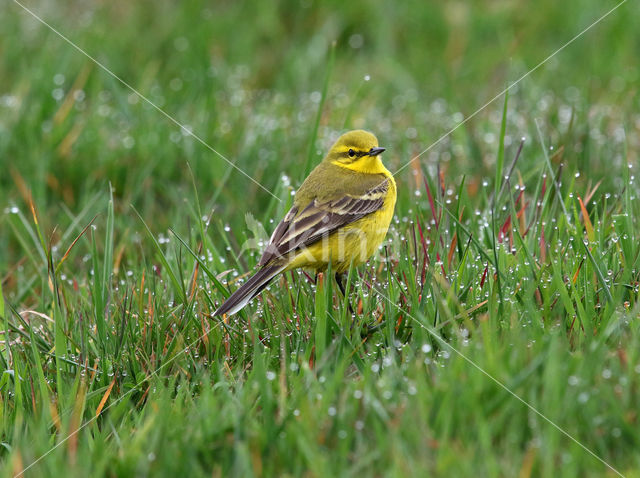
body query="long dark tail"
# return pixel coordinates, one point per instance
(248, 290)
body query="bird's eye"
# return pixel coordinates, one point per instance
(352, 153)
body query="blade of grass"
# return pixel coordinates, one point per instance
(320, 316)
(179, 288)
(551, 173)
(500, 159)
(2, 316)
(598, 273)
(587, 222)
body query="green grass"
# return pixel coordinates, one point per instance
(505, 272)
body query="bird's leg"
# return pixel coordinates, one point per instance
(369, 330)
(339, 278)
(340, 284)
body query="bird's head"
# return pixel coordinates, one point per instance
(357, 150)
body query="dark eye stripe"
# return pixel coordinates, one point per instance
(355, 157)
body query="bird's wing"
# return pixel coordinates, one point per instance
(319, 219)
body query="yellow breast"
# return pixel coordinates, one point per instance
(352, 244)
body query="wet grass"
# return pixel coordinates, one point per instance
(496, 332)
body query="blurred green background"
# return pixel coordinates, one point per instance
(246, 78)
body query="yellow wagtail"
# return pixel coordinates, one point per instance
(340, 215)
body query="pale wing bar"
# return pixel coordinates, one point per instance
(318, 220)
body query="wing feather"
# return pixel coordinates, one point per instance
(319, 219)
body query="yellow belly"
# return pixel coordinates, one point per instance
(352, 244)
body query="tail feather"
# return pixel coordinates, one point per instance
(248, 290)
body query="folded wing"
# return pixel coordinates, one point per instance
(317, 220)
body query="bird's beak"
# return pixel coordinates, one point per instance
(375, 151)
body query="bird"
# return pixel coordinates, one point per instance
(340, 215)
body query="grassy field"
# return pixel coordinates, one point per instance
(503, 310)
